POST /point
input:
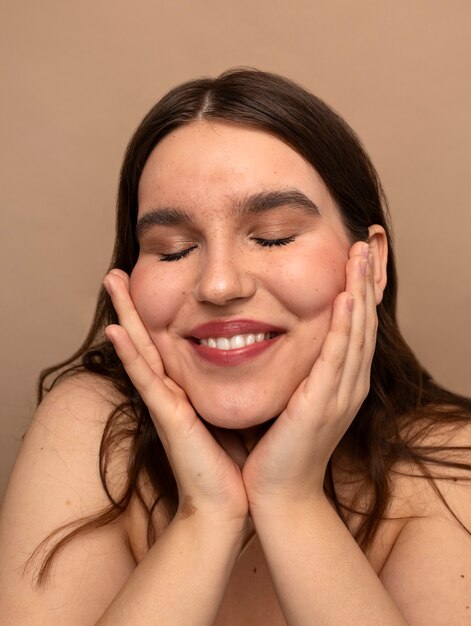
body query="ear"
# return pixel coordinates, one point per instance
(378, 243)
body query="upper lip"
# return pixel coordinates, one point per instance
(230, 328)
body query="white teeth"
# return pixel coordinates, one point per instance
(235, 342)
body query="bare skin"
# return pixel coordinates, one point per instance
(234, 476)
(88, 575)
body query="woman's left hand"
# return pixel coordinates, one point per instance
(288, 464)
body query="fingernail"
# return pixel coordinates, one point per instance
(350, 304)
(363, 264)
(365, 250)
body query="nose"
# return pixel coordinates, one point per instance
(224, 277)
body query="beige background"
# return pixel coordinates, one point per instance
(77, 77)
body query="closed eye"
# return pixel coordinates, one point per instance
(269, 243)
(265, 243)
(176, 256)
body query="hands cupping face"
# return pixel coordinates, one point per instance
(289, 461)
(204, 471)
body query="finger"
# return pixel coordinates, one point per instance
(353, 386)
(328, 369)
(359, 248)
(371, 320)
(337, 368)
(116, 284)
(154, 392)
(147, 382)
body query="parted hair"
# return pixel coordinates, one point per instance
(402, 393)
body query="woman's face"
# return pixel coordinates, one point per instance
(242, 252)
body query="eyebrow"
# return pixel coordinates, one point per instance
(268, 200)
(250, 205)
(162, 217)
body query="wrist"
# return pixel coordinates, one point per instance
(284, 491)
(290, 507)
(212, 526)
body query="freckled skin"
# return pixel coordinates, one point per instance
(204, 168)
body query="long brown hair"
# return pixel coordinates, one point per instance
(402, 392)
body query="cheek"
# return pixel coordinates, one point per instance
(156, 299)
(309, 285)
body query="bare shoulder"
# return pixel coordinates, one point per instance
(56, 481)
(428, 569)
(446, 452)
(64, 436)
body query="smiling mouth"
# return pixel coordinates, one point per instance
(236, 341)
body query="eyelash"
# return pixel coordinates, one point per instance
(265, 243)
(176, 256)
(269, 243)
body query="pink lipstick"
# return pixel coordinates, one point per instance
(233, 342)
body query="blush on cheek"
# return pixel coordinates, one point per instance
(154, 299)
(310, 292)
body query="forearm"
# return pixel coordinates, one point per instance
(181, 580)
(320, 574)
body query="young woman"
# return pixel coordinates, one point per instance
(252, 442)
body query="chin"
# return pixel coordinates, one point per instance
(237, 415)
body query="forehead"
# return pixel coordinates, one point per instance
(208, 162)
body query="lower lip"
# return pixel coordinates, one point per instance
(230, 358)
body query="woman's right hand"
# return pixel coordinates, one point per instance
(208, 473)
